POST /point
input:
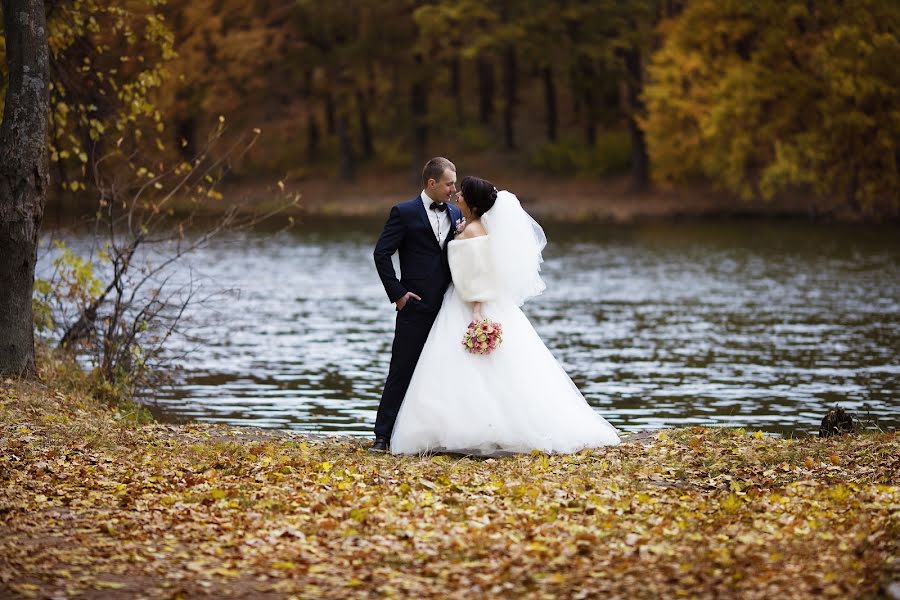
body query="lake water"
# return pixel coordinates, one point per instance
(751, 324)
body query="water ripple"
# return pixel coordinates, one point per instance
(752, 325)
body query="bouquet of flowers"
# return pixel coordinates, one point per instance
(482, 337)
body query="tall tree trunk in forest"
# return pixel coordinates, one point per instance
(672, 8)
(23, 178)
(575, 84)
(853, 191)
(418, 104)
(550, 102)
(456, 89)
(312, 135)
(587, 95)
(640, 162)
(590, 116)
(330, 122)
(372, 87)
(510, 81)
(365, 130)
(346, 147)
(185, 136)
(485, 90)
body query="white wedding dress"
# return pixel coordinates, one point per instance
(514, 400)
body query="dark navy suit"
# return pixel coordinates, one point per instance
(425, 272)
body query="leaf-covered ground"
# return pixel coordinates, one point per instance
(93, 505)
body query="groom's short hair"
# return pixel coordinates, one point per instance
(435, 167)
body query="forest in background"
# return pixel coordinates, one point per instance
(763, 99)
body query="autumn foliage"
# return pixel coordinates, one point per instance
(766, 99)
(771, 97)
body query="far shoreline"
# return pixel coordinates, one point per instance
(562, 200)
(573, 200)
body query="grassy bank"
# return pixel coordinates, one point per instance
(93, 503)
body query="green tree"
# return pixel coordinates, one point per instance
(362, 64)
(452, 34)
(768, 97)
(611, 41)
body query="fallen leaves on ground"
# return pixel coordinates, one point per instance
(93, 505)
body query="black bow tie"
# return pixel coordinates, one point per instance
(438, 206)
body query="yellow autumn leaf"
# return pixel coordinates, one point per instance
(732, 503)
(109, 585)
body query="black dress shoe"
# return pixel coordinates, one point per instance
(380, 445)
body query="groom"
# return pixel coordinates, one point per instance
(418, 230)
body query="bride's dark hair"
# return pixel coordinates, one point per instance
(479, 194)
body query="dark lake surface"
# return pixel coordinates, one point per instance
(742, 324)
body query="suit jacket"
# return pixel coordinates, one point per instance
(423, 263)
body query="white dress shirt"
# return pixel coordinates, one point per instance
(439, 219)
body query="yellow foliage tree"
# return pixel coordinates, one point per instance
(770, 97)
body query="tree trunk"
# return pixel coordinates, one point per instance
(186, 136)
(372, 87)
(550, 100)
(346, 146)
(640, 171)
(365, 130)
(418, 104)
(23, 178)
(485, 90)
(640, 162)
(590, 116)
(312, 136)
(510, 81)
(587, 95)
(575, 93)
(313, 133)
(852, 194)
(456, 89)
(330, 122)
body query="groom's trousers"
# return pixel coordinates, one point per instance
(413, 326)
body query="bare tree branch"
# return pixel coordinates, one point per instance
(140, 243)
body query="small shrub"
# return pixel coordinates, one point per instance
(610, 156)
(475, 138)
(558, 158)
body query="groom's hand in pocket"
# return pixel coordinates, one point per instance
(401, 302)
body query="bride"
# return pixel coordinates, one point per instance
(517, 398)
